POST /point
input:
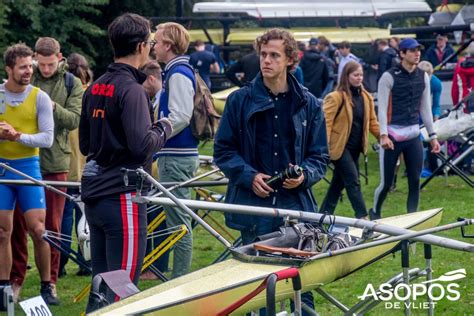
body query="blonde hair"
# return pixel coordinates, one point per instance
(426, 66)
(176, 35)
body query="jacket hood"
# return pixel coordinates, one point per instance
(467, 66)
(312, 54)
(62, 69)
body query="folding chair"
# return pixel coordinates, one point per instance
(450, 163)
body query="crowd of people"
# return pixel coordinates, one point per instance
(297, 106)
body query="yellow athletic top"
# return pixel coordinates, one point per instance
(24, 119)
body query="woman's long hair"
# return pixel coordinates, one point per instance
(344, 84)
(79, 67)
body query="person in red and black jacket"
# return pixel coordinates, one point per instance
(463, 79)
(116, 131)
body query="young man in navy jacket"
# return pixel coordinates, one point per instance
(268, 125)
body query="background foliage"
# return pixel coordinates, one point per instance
(80, 25)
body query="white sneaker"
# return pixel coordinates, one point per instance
(53, 290)
(16, 292)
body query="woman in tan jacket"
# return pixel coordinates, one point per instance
(350, 115)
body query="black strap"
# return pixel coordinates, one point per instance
(68, 82)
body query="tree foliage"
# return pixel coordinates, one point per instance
(69, 21)
(81, 25)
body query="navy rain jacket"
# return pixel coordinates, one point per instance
(234, 145)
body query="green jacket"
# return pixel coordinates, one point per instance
(66, 117)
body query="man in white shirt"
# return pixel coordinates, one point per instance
(345, 56)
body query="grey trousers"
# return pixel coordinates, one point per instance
(179, 168)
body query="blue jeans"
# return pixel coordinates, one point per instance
(180, 169)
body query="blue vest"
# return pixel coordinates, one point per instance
(406, 96)
(184, 143)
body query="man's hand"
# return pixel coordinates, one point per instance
(8, 132)
(293, 183)
(435, 147)
(385, 142)
(259, 187)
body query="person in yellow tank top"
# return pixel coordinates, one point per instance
(26, 124)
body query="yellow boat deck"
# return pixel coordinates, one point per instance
(206, 291)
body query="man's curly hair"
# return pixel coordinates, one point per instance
(291, 46)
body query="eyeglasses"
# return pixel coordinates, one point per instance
(151, 43)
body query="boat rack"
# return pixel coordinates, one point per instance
(406, 276)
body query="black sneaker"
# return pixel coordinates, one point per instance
(3, 308)
(48, 296)
(373, 215)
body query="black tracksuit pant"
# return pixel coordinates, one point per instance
(118, 237)
(346, 175)
(413, 155)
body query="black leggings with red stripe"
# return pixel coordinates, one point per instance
(118, 235)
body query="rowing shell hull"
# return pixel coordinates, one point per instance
(207, 291)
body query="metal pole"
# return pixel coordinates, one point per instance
(178, 185)
(429, 275)
(271, 285)
(316, 217)
(38, 182)
(65, 184)
(77, 185)
(181, 205)
(297, 297)
(406, 274)
(388, 240)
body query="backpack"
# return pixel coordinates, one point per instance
(205, 119)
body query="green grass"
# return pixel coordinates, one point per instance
(452, 194)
